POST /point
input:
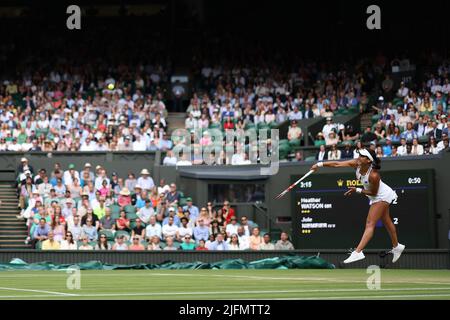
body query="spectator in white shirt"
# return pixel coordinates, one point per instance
(232, 227)
(334, 153)
(169, 230)
(70, 175)
(145, 181)
(170, 159)
(402, 149)
(146, 211)
(153, 229)
(328, 127)
(416, 149)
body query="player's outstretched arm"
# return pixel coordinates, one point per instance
(336, 164)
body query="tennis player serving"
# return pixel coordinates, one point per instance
(379, 194)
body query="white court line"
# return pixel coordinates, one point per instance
(38, 291)
(369, 297)
(194, 293)
(229, 276)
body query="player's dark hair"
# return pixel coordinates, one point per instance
(376, 164)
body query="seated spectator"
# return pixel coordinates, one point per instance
(107, 222)
(145, 181)
(201, 231)
(334, 153)
(69, 243)
(130, 182)
(40, 232)
(347, 153)
(187, 244)
(320, 140)
(234, 243)
(409, 134)
(284, 243)
(394, 152)
(170, 245)
(169, 230)
(184, 229)
(298, 156)
(124, 198)
(174, 216)
(331, 139)
(328, 127)
(368, 135)
(90, 231)
(294, 131)
(379, 152)
(227, 212)
(387, 148)
(193, 210)
(244, 238)
(138, 230)
(170, 159)
(432, 149)
(379, 131)
(416, 149)
(232, 227)
(322, 154)
(201, 246)
(85, 244)
(219, 243)
(136, 244)
(173, 196)
(50, 243)
(255, 239)
(153, 229)
(396, 136)
(154, 243)
(120, 244)
(123, 223)
(102, 243)
(266, 244)
(402, 149)
(90, 215)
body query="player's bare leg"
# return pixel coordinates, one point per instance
(375, 213)
(397, 248)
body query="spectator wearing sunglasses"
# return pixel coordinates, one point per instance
(136, 244)
(68, 243)
(102, 243)
(187, 244)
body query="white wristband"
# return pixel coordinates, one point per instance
(358, 190)
(320, 164)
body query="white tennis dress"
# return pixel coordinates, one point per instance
(385, 193)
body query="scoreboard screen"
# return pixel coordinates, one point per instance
(324, 218)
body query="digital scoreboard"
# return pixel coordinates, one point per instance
(324, 218)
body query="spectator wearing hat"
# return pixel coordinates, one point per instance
(332, 138)
(89, 176)
(124, 198)
(101, 177)
(23, 166)
(328, 127)
(145, 181)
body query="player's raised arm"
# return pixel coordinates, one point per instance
(336, 164)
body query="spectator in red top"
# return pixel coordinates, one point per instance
(124, 198)
(229, 124)
(123, 223)
(201, 245)
(227, 211)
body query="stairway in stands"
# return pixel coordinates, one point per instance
(366, 120)
(12, 231)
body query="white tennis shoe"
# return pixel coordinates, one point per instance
(397, 252)
(354, 256)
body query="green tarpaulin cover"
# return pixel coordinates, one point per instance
(286, 262)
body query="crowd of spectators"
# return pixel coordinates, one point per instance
(88, 209)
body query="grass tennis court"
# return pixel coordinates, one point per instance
(226, 284)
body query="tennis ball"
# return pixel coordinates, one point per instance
(111, 86)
